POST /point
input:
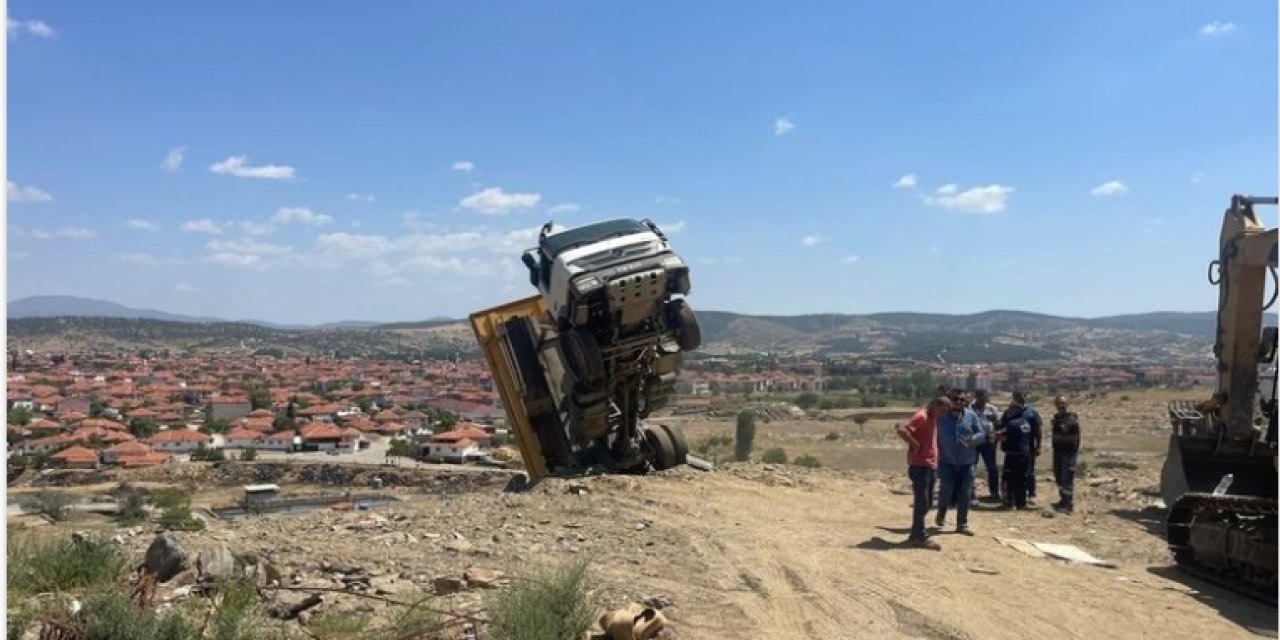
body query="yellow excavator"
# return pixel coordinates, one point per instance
(1219, 478)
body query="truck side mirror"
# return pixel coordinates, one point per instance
(1267, 347)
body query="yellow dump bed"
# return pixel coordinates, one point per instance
(488, 327)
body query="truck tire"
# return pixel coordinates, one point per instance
(688, 334)
(664, 450)
(678, 442)
(582, 351)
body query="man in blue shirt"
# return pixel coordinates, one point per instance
(959, 434)
(1033, 418)
(1016, 434)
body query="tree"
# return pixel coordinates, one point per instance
(215, 426)
(248, 455)
(285, 423)
(807, 400)
(292, 411)
(95, 407)
(862, 424)
(745, 436)
(401, 447)
(364, 405)
(259, 397)
(54, 504)
(143, 428)
(20, 416)
(774, 456)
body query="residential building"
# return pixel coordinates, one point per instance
(76, 458)
(178, 441)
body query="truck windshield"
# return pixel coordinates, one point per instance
(565, 240)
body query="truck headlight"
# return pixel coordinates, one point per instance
(672, 262)
(587, 284)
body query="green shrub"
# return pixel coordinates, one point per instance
(179, 518)
(551, 605)
(338, 625)
(831, 436)
(54, 504)
(248, 455)
(133, 508)
(167, 497)
(109, 615)
(60, 564)
(807, 460)
(774, 456)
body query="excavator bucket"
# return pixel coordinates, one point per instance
(1192, 466)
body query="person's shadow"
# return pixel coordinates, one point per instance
(876, 543)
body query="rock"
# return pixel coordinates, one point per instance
(183, 578)
(482, 578)
(166, 557)
(447, 585)
(80, 537)
(216, 564)
(389, 586)
(459, 546)
(658, 602)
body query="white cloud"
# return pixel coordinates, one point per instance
(66, 233)
(303, 215)
(350, 245)
(567, 207)
(173, 161)
(850, 259)
(33, 27)
(782, 127)
(813, 240)
(143, 225)
(238, 260)
(465, 166)
(495, 201)
(672, 228)
(186, 288)
(18, 193)
(201, 226)
(989, 199)
(255, 227)
(1113, 188)
(247, 246)
(1217, 28)
(360, 197)
(239, 166)
(147, 259)
(666, 200)
(908, 181)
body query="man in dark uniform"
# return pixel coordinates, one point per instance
(1016, 440)
(1066, 446)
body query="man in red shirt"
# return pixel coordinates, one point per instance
(921, 435)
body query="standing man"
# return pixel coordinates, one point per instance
(920, 434)
(1033, 417)
(1066, 446)
(988, 417)
(959, 434)
(1015, 434)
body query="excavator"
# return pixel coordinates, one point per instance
(1219, 477)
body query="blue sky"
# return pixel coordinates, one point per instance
(311, 162)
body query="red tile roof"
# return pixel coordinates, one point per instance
(178, 435)
(76, 454)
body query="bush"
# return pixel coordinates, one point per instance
(133, 508)
(832, 436)
(807, 400)
(744, 439)
(549, 605)
(109, 615)
(167, 497)
(403, 448)
(774, 456)
(60, 564)
(206, 454)
(248, 455)
(53, 504)
(807, 461)
(179, 518)
(338, 625)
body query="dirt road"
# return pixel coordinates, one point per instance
(822, 560)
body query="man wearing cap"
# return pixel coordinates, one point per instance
(920, 434)
(1017, 441)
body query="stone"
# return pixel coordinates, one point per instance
(183, 578)
(482, 578)
(166, 556)
(459, 546)
(216, 564)
(389, 586)
(447, 585)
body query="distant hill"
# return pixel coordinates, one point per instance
(74, 306)
(990, 336)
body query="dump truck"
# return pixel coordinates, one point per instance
(582, 364)
(1219, 477)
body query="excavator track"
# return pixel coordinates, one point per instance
(1227, 540)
